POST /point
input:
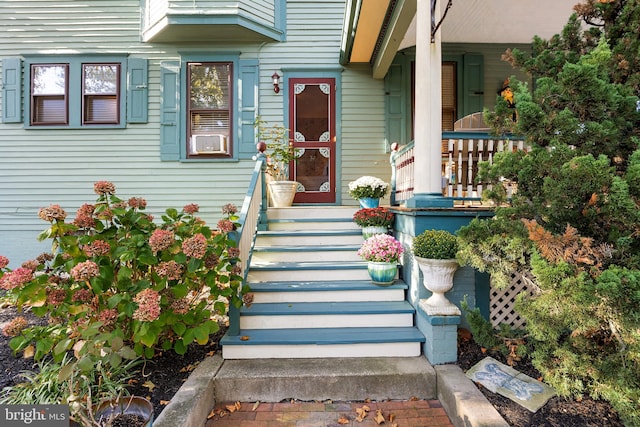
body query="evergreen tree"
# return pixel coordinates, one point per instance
(573, 227)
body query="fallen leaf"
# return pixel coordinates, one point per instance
(255, 406)
(211, 353)
(188, 368)
(483, 350)
(362, 413)
(244, 338)
(148, 384)
(28, 352)
(343, 420)
(414, 399)
(379, 418)
(164, 402)
(394, 425)
(233, 408)
(392, 417)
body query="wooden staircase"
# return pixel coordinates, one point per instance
(312, 296)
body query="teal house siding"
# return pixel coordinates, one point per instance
(40, 166)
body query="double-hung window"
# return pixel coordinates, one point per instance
(100, 94)
(49, 94)
(209, 109)
(91, 91)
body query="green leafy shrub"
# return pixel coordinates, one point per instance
(65, 383)
(121, 285)
(435, 244)
(572, 227)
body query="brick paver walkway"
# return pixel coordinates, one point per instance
(411, 413)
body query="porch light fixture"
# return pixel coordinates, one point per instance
(276, 82)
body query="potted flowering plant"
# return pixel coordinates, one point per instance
(368, 190)
(280, 153)
(373, 220)
(435, 252)
(382, 253)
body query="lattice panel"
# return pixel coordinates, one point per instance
(502, 302)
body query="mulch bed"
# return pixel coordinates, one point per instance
(557, 412)
(161, 378)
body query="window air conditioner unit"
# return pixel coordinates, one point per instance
(209, 144)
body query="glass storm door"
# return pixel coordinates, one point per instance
(312, 123)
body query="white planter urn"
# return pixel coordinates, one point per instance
(282, 193)
(438, 278)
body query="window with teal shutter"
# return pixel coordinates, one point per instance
(11, 87)
(193, 126)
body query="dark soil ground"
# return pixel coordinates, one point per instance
(557, 412)
(161, 378)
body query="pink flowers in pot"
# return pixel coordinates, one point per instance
(381, 248)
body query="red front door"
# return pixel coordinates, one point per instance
(312, 122)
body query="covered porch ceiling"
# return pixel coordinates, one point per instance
(375, 30)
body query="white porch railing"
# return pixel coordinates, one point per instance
(461, 154)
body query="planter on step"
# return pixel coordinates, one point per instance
(382, 273)
(370, 230)
(369, 202)
(438, 278)
(282, 193)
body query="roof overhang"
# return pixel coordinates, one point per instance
(467, 21)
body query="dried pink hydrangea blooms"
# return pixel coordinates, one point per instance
(52, 213)
(161, 240)
(191, 208)
(15, 326)
(104, 188)
(169, 269)
(148, 305)
(85, 270)
(16, 278)
(195, 246)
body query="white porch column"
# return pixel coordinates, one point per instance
(428, 115)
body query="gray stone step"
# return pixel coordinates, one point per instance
(321, 379)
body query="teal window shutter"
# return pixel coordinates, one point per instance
(395, 105)
(248, 99)
(11, 90)
(137, 90)
(473, 83)
(170, 110)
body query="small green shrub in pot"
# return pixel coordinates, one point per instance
(435, 244)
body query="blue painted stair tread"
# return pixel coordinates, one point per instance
(508, 382)
(337, 285)
(301, 308)
(324, 336)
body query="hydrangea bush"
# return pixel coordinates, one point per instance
(368, 217)
(368, 186)
(122, 284)
(381, 248)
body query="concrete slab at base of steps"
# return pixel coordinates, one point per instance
(217, 380)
